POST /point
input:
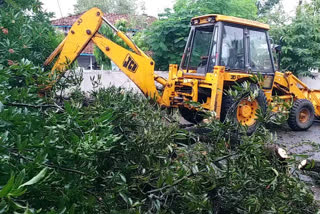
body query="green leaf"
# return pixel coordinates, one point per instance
(123, 178)
(3, 207)
(124, 197)
(7, 188)
(35, 179)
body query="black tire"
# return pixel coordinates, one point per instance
(191, 115)
(229, 108)
(227, 104)
(295, 121)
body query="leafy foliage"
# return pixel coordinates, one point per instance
(264, 6)
(301, 44)
(25, 32)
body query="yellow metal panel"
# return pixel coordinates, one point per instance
(138, 68)
(231, 19)
(219, 93)
(234, 76)
(195, 90)
(217, 80)
(281, 79)
(169, 90)
(173, 71)
(268, 94)
(78, 37)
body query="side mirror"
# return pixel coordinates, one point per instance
(278, 48)
(271, 43)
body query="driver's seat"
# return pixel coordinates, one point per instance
(201, 69)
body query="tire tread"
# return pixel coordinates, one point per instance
(292, 120)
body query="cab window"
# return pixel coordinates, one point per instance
(200, 49)
(232, 50)
(213, 56)
(259, 57)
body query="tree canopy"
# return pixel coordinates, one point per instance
(264, 6)
(107, 6)
(301, 40)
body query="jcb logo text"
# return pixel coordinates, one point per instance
(130, 64)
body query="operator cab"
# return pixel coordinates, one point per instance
(238, 44)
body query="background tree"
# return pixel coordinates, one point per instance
(301, 39)
(266, 5)
(107, 6)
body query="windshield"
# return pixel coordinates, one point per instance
(232, 51)
(260, 60)
(198, 50)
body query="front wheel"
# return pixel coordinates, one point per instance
(244, 111)
(301, 115)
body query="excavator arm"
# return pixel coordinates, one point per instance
(138, 66)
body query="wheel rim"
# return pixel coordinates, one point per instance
(304, 115)
(246, 112)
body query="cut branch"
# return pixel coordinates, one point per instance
(310, 165)
(30, 106)
(277, 151)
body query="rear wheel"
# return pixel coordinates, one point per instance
(244, 111)
(301, 115)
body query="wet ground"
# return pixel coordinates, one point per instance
(303, 143)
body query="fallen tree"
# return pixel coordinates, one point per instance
(119, 154)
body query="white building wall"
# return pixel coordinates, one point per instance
(312, 83)
(110, 78)
(119, 79)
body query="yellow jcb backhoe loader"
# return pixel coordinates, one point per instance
(221, 51)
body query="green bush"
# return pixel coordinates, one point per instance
(25, 32)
